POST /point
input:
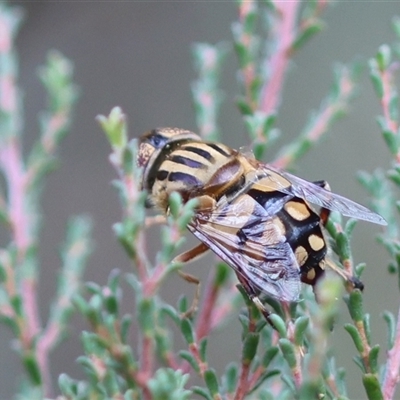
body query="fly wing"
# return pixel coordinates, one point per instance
(247, 238)
(274, 179)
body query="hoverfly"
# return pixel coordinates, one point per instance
(257, 219)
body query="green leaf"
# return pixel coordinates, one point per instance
(222, 274)
(169, 384)
(186, 355)
(231, 377)
(373, 359)
(201, 392)
(211, 381)
(342, 242)
(172, 313)
(32, 368)
(203, 349)
(372, 387)
(115, 127)
(279, 324)
(243, 106)
(307, 33)
(175, 204)
(352, 330)
(126, 322)
(391, 327)
(376, 78)
(68, 386)
(384, 57)
(187, 331)
(250, 344)
(300, 327)
(269, 356)
(356, 306)
(146, 316)
(367, 327)
(288, 351)
(349, 227)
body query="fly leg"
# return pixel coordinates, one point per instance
(255, 299)
(324, 215)
(188, 256)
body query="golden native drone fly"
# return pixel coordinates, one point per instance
(257, 219)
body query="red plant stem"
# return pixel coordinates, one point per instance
(204, 321)
(277, 64)
(19, 216)
(392, 370)
(387, 79)
(21, 225)
(255, 376)
(146, 369)
(243, 384)
(221, 311)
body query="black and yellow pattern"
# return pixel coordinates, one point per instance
(257, 219)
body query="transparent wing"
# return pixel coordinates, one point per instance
(274, 179)
(243, 235)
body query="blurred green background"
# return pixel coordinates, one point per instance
(137, 55)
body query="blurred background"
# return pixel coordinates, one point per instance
(137, 55)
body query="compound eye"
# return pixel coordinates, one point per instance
(157, 141)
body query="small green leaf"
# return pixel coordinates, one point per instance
(203, 349)
(376, 78)
(391, 327)
(288, 351)
(307, 33)
(384, 57)
(211, 381)
(300, 327)
(111, 304)
(356, 306)
(243, 106)
(126, 322)
(187, 331)
(250, 344)
(372, 387)
(175, 204)
(68, 386)
(16, 304)
(279, 325)
(367, 327)
(373, 358)
(201, 392)
(391, 139)
(172, 313)
(222, 274)
(359, 362)
(186, 355)
(231, 377)
(269, 356)
(115, 127)
(146, 316)
(349, 227)
(182, 304)
(352, 330)
(343, 245)
(32, 368)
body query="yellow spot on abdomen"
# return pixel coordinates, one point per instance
(316, 242)
(298, 211)
(301, 255)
